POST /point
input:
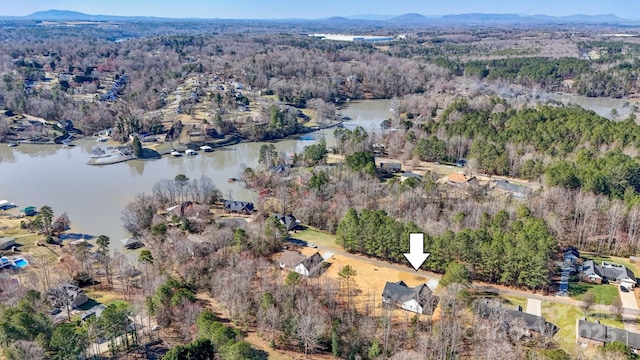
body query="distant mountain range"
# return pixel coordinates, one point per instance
(412, 18)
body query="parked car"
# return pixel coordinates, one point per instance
(312, 245)
(624, 288)
(55, 311)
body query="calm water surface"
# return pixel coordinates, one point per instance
(94, 196)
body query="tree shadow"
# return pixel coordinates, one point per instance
(578, 288)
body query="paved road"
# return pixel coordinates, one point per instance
(627, 310)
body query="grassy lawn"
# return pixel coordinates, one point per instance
(564, 317)
(602, 294)
(315, 236)
(513, 301)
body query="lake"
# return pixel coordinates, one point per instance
(94, 196)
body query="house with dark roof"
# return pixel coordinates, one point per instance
(132, 243)
(571, 255)
(419, 299)
(238, 207)
(596, 334)
(76, 295)
(524, 323)
(308, 266)
(289, 222)
(311, 266)
(533, 324)
(391, 167)
(608, 273)
(280, 169)
(66, 124)
(516, 191)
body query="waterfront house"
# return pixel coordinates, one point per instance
(66, 124)
(132, 243)
(418, 299)
(30, 211)
(238, 207)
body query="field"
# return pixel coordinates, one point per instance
(371, 277)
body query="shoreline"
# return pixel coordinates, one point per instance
(232, 140)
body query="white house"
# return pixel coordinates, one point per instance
(419, 299)
(307, 266)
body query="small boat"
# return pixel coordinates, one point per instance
(190, 152)
(12, 144)
(232, 180)
(176, 153)
(206, 148)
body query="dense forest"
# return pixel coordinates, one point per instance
(514, 253)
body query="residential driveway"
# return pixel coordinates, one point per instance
(628, 300)
(534, 307)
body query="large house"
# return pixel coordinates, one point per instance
(607, 273)
(308, 266)
(76, 295)
(517, 191)
(595, 334)
(239, 207)
(525, 323)
(418, 299)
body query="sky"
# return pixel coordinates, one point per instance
(313, 9)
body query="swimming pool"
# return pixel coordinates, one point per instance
(20, 263)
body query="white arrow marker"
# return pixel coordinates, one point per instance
(416, 254)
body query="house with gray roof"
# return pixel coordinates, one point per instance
(289, 221)
(596, 334)
(290, 259)
(308, 266)
(391, 167)
(7, 243)
(516, 191)
(524, 323)
(419, 299)
(608, 273)
(239, 207)
(533, 324)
